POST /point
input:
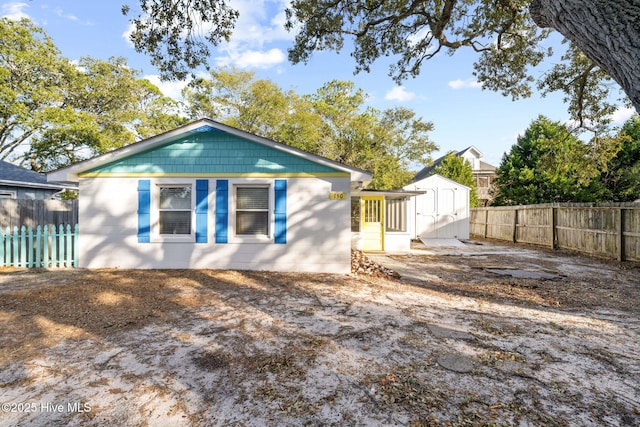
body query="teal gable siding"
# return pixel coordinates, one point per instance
(213, 152)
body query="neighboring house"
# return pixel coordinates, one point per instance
(484, 173)
(21, 183)
(207, 195)
(441, 210)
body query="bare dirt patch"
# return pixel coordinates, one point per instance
(451, 343)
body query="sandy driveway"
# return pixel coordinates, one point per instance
(466, 338)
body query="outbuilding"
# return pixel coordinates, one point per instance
(441, 210)
(207, 195)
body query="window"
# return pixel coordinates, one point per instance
(355, 214)
(174, 210)
(252, 211)
(396, 215)
(7, 194)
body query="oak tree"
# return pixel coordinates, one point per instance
(332, 122)
(507, 35)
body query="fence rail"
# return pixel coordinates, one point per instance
(44, 247)
(604, 231)
(19, 212)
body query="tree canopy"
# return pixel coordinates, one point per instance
(549, 164)
(332, 122)
(622, 176)
(54, 112)
(507, 35)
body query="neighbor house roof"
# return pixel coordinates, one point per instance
(13, 175)
(429, 170)
(122, 161)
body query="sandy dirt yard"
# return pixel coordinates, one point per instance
(481, 335)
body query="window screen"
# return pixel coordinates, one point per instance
(175, 210)
(252, 211)
(396, 215)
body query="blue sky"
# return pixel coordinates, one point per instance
(445, 93)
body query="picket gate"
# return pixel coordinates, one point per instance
(44, 247)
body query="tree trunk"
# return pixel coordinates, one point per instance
(607, 31)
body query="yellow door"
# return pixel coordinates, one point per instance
(372, 221)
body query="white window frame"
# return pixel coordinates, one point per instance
(155, 211)
(245, 238)
(7, 194)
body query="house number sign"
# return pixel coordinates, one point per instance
(337, 195)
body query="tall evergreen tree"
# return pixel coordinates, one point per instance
(622, 178)
(547, 164)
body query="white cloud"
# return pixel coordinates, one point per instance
(621, 115)
(418, 37)
(172, 89)
(68, 16)
(14, 10)
(252, 27)
(399, 93)
(252, 58)
(260, 22)
(464, 84)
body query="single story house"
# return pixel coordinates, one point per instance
(441, 211)
(207, 195)
(20, 183)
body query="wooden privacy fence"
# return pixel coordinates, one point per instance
(604, 231)
(18, 212)
(44, 247)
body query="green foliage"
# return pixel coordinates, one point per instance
(550, 164)
(457, 169)
(60, 113)
(69, 195)
(171, 32)
(332, 122)
(622, 177)
(32, 73)
(177, 35)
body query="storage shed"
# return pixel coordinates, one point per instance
(207, 195)
(441, 211)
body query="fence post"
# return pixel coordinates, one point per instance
(14, 242)
(3, 237)
(75, 246)
(67, 237)
(23, 246)
(515, 225)
(45, 244)
(554, 227)
(30, 247)
(486, 222)
(621, 242)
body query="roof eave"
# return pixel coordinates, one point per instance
(70, 173)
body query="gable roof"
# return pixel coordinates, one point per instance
(429, 170)
(434, 177)
(11, 174)
(207, 148)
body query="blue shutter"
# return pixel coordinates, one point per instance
(202, 210)
(280, 212)
(144, 211)
(222, 210)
